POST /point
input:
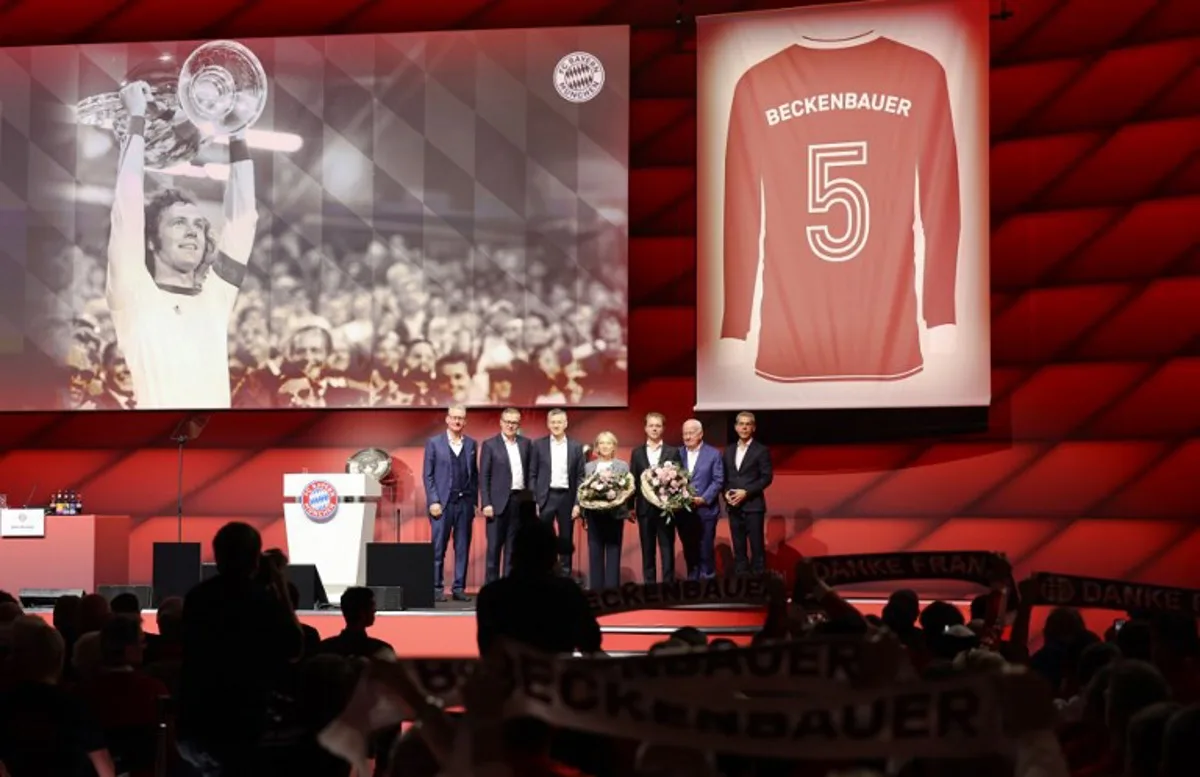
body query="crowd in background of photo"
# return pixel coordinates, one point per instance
(390, 324)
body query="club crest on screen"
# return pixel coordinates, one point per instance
(319, 501)
(579, 77)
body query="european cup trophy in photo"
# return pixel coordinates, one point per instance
(220, 90)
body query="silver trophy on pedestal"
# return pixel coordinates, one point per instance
(220, 89)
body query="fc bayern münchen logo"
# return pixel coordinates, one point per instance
(579, 77)
(319, 501)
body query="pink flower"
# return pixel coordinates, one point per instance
(611, 495)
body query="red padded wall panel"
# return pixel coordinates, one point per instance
(1089, 465)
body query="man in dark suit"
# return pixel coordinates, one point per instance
(557, 466)
(451, 491)
(503, 477)
(748, 474)
(653, 527)
(698, 529)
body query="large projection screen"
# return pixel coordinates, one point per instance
(843, 207)
(423, 219)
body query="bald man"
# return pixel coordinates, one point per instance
(698, 529)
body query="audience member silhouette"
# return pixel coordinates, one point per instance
(239, 638)
(44, 730)
(533, 605)
(358, 610)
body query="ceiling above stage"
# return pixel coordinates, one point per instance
(1038, 29)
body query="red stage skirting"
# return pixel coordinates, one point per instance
(451, 633)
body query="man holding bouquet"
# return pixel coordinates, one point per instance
(698, 528)
(655, 528)
(748, 474)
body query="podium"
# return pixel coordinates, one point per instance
(329, 519)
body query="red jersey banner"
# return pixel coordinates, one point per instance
(843, 225)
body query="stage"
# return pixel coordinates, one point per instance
(449, 629)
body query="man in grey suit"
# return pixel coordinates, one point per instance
(504, 486)
(557, 466)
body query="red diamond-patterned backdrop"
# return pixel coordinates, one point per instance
(1091, 461)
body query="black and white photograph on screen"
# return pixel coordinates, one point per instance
(351, 221)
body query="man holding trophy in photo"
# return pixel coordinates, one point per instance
(171, 282)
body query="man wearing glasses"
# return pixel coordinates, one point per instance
(504, 480)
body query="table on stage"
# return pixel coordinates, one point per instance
(80, 552)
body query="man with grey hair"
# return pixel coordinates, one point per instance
(748, 473)
(451, 478)
(698, 529)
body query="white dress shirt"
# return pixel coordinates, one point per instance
(740, 455)
(654, 454)
(455, 445)
(558, 464)
(514, 463)
(690, 456)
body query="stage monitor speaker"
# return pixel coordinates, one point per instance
(144, 594)
(406, 565)
(46, 598)
(388, 598)
(176, 569)
(305, 577)
(307, 580)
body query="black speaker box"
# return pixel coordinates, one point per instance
(388, 598)
(144, 594)
(176, 569)
(305, 577)
(405, 565)
(307, 580)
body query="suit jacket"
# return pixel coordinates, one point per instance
(708, 476)
(620, 468)
(539, 463)
(639, 462)
(439, 463)
(754, 476)
(495, 471)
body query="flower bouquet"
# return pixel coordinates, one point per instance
(669, 488)
(605, 490)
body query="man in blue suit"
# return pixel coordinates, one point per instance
(698, 529)
(451, 492)
(505, 477)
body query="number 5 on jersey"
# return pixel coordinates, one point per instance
(826, 189)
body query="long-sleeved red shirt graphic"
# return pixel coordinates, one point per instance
(828, 148)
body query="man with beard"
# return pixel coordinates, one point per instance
(171, 284)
